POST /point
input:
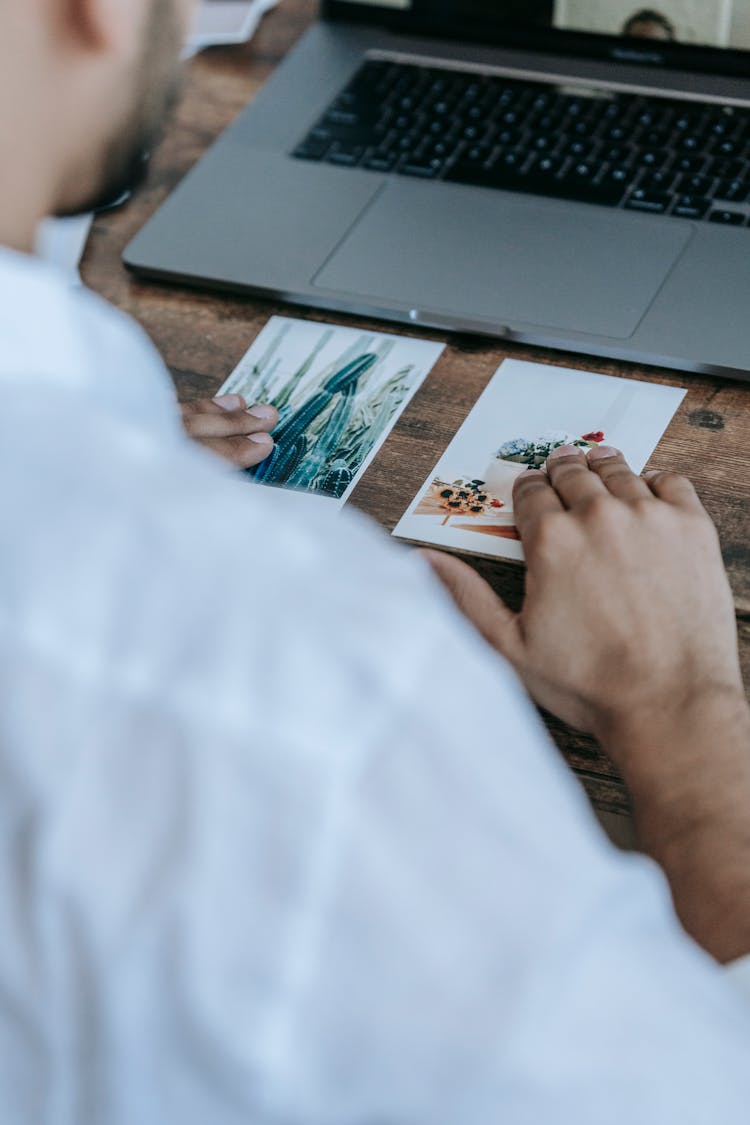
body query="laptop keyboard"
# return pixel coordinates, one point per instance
(642, 153)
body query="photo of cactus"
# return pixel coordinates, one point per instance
(526, 411)
(339, 392)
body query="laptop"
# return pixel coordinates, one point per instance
(569, 173)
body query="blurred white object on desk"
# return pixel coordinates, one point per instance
(221, 22)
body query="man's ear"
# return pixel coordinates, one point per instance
(103, 24)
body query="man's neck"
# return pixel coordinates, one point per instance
(23, 200)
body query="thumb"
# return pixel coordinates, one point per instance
(476, 599)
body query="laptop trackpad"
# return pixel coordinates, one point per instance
(508, 259)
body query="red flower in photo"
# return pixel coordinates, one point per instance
(597, 436)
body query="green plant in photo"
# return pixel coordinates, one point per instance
(522, 451)
(287, 434)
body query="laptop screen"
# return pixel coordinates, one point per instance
(706, 34)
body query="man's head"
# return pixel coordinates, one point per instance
(149, 90)
(87, 85)
(145, 110)
(650, 24)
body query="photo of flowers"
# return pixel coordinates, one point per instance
(526, 411)
(338, 391)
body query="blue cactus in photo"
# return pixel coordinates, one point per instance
(279, 467)
(290, 437)
(300, 420)
(336, 480)
(329, 440)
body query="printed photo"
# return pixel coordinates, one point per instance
(338, 391)
(527, 410)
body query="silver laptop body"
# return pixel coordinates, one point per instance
(654, 288)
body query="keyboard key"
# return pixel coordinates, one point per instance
(616, 154)
(657, 181)
(542, 142)
(477, 155)
(425, 169)
(655, 202)
(440, 149)
(580, 149)
(620, 174)
(723, 126)
(694, 185)
(376, 163)
(727, 148)
(653, 157)
(512, 161)
(691, 143)
(729, 218)
(582, 129)
(583, 171)
(654, 138)
(509, 137)
(690, 164)
(691, 207)
(727, 169)
(547, 122)
(733, 191)
(347, 156)
(616, 133)
(581, 191)
(311, 150)
(342, 117)
(547, 166)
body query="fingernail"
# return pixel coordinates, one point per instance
(263, 412)
(230, 402)
(602, 452)
(564, 451)
(651, 474)
(261, 439)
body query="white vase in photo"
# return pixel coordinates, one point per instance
(500, 477)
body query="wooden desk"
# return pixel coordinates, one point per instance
(202, 337)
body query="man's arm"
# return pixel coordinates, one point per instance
(628, 632)
(689, 775)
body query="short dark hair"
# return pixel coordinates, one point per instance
(649, 15)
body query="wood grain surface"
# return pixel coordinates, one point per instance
(203, 336)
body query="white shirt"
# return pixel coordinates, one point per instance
(281, 840)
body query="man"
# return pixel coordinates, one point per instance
(260, 860)
(648, 24)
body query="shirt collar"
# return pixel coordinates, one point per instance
(53, 331)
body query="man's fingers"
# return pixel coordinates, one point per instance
(533, 498)
(229, 402)
(673, 489)
(243, 452)
(476, 599)
(571, 478)
(613, 470)
(207, 419)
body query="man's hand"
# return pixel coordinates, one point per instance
(226, 426)
(628, 632)
(628, 608)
